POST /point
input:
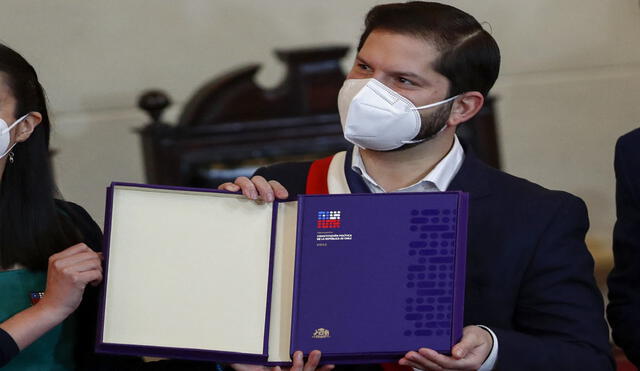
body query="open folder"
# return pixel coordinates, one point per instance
(210, 275)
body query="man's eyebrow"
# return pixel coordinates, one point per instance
(408, 75)
(360, 59)
(405, 74)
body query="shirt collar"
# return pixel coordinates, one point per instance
(440, 176)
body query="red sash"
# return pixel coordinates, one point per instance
(317, 184)
(317, 177)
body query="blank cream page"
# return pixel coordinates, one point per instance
(187, 270)
(282, 294)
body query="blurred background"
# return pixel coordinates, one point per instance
(569, 84)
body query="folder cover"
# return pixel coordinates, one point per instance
(210, 275)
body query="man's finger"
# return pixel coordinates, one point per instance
(228, 186)
(298, 362)
(417, 360)
(312, 361)
(406, 362)
(445, 361)
(247, 186)
(238, 366)
(264, 188)
(279, 190)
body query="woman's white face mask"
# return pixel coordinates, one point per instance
(5, 135)
(374, 116)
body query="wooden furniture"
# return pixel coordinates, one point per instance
(231, 126)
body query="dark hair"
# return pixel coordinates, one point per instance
(32, 225)
(469, 56)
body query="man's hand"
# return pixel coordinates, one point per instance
(469, 354)
(298, 364)
(256, 188)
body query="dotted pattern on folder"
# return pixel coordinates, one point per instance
(430, 274)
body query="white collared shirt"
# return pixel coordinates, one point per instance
(437, 180)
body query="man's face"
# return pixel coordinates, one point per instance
(404, 64)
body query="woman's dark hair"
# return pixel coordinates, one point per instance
(32, 225)
(469, 56)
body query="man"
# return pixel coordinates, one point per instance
(421, 70)
(624, 281)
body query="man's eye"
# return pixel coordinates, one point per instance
(402, 80)
(364, 67)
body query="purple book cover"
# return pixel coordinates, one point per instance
(378, 275)
(375, 276)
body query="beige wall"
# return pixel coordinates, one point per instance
(570, 81)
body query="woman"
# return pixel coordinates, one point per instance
(46, 246)
(34, 226)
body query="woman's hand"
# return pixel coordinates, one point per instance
(68, 274)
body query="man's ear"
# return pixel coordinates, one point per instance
(26, 127)
(465, 107)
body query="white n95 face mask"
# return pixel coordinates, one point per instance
(374, 116)
(5, 135)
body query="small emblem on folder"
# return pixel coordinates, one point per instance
(321, 333)
(329, 219)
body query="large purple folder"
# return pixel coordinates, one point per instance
(210, 275)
